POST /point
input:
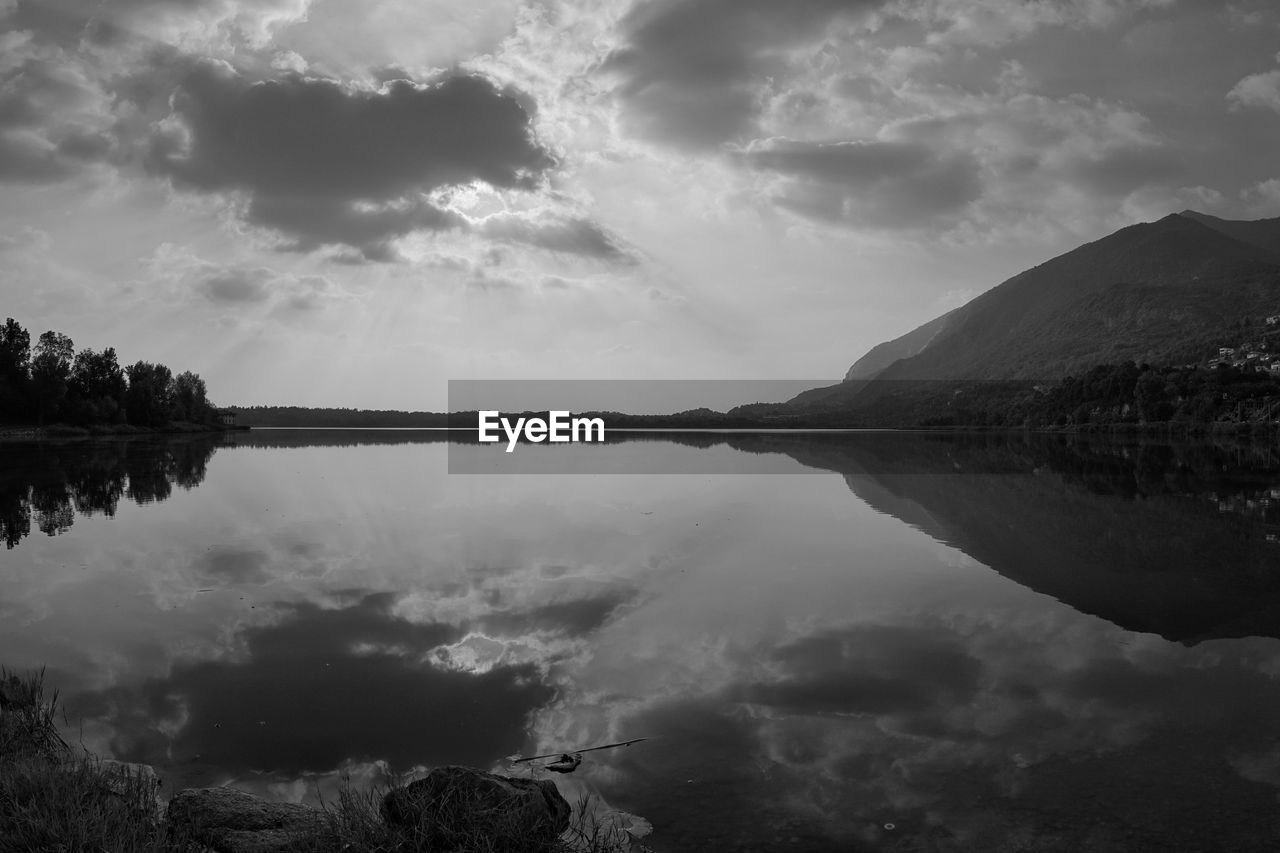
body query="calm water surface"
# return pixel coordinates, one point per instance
(834, 642)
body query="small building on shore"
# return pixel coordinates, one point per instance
(227, 417)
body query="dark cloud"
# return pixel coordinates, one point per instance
(324, 163)
(235, 287)
(301, 138)
(28, 159)
(555, 233)
(57, 22)
(366, 227)
(232, 286)
(324, 686)
(52, 113)
(483, 280)
(1120, 172)
(89, 147)
(875, 183)
(691, 69)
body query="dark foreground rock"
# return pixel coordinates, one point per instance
(231, 821)
(137, 784)
(454, 805)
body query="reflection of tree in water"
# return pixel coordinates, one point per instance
(1127, 467)
(15, 519)
(97, 484)
(52, 506)
(50, 483)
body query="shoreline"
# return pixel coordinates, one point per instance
(59, 432)
(63, 432)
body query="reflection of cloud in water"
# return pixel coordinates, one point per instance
(512, 616)
(806, 665)
(701, 772)
(323, 686)
(232, 566)
(572, 617)
(829, 736)
(867, 669)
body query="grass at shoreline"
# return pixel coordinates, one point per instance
(52, 799)
(78, 805)
(55, 799)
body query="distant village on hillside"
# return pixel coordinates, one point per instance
(1247, 355)
(1263, 353)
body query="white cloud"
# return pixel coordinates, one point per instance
(1260, 91)
(351, 39)
(1153, 202)
(1263, 197)
(996, 22)
(197, 26)
(56, 115)
(26, 239)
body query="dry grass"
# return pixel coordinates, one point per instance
(590, 833)
(47, 806)
(51, 800)
(27, 720)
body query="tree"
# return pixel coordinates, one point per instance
(15, 349)
(147, 402)
(97, 387)
(50, 370)
(15, 368)
(189, 398)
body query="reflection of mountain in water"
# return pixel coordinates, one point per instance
(1179, 541)
(1174, 539)
(47, 484)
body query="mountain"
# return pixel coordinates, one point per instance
(1263, 233)
(882, 355)
(1159, 292)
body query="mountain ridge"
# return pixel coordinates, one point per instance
(1148, 292)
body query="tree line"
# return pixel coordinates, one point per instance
(302, 416)
(1127, 393)
(51, 382)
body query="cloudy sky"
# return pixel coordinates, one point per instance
(331, 202)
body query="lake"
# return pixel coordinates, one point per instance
(860, 641)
